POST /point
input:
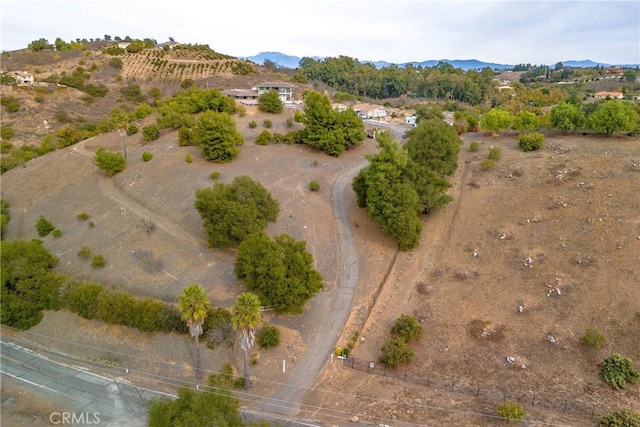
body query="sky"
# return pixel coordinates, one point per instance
(396, 31)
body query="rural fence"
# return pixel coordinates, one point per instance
(489, 393)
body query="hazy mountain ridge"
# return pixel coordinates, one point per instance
(292, 61)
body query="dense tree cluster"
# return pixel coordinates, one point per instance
(329, 130)
(442, 81)
(28, 283)
(232, 212)
(279, 271)
(401, 183)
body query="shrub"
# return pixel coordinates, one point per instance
(314, 185)
(98, 262)
(109, 162)
(267, 123)
(531, 141)
(593, 338)
(188, 158)
(495, 153)
(44, 226)
(214, 175)
(622, 418)
(10, 104)
(269, 337)
(6, 132)
(264, 138)
(396, 352)
(83, 216)
(147, 156)
(82, 298)
(487, 164)
(511, 411)
(617, 370)
(474, 146)
(132, 130)
(218, 329)
(289, 122)
(56, 233)
(184, 137)
(116, 63)
(91, 224)
(252, 124)
(150, 133)
(407, 328)
(84, 252)
(4, 217)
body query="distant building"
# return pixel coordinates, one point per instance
(612, 95)
(21, 77)
(284, 89)
(368, 111)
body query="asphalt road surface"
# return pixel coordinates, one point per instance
(84, 397)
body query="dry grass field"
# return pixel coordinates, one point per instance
(527, 257)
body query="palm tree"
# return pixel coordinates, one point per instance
(193, 305)
(245, 319)
(122, 125)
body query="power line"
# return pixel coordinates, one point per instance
(279, 403)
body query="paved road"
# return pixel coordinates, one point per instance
(89, 396)
(288, 397)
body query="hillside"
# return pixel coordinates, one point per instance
(46, 108)
(506, 280)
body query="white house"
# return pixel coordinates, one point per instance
(284, 89)
(605, 95)
(368, 111)
(22, 77)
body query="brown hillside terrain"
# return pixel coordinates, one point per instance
(527, 257)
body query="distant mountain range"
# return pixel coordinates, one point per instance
(290, 61)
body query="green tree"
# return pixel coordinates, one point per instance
(396, 352)
(38, 45)
(390, 198)
(406, 327)
(617, 370)
(193, 305)
(28, 283)
(329, 130)
(566, 117)
(525, 120)
(213, 406)
(434, 145)
(531, 141)
(495, 120)
(217, 137)
(280, 272)
(245, 318)
(630, 75)
(109, 162)
(231, 212)
(621, 418)
(270, 102)
(614, 115)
